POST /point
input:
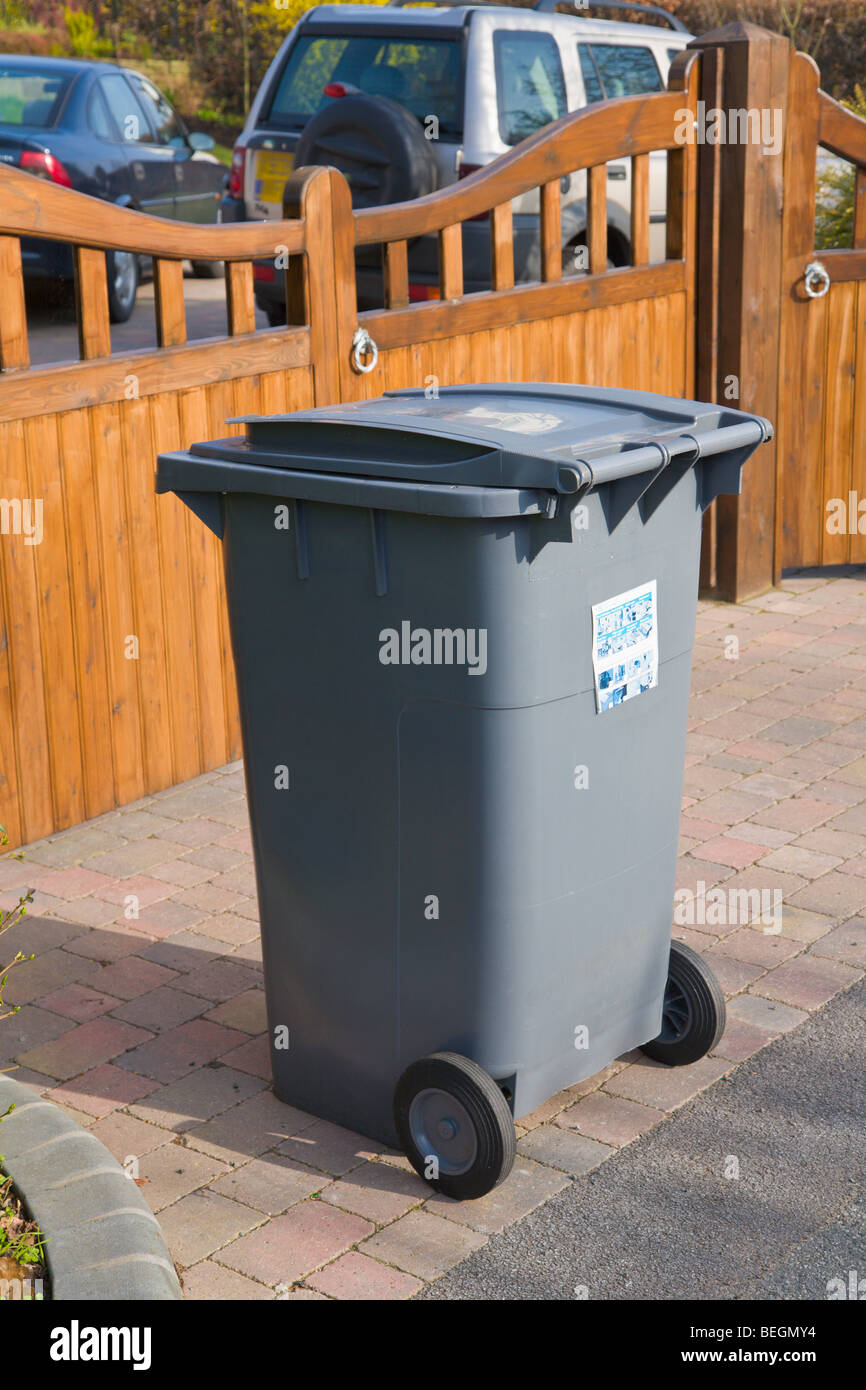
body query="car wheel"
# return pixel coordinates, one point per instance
(208, 270)
(122, 271)
(376, 144)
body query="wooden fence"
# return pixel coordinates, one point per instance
(116, 674)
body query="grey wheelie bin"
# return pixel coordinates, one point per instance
(462, 628)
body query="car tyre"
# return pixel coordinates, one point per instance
(123, 274)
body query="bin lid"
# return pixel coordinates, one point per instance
(509, 435)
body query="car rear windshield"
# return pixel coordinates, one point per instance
(422, 74)
(31, 96)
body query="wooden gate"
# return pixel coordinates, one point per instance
(116, 674)
(821, 423)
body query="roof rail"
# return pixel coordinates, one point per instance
(549, 6)
(656, 10)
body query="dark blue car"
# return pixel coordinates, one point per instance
(107, 131)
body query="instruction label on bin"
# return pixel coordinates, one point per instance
(625, 648)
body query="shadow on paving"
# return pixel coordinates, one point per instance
(660, 1220)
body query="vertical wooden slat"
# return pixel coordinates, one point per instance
(838, 414)
(860, 206)
(91, 303)
(451, 262)
(857, 553)
(325, 284)
(203, 415)
(502, 247)
(14, 352)
(87, 602)
(551, 231)
(596, 218)
(802, 347)
(173, 523)
(640, 209)
(147, 598)
(395, 264)
(170, 308)
(706, 324)
(240, 300)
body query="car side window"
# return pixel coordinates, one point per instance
(98, 118)
(126, 110)
(618, 70)
(530, 86)
(162, 115)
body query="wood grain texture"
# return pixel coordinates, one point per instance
(14, 351)
(551, 231)
(91, 303)
(451, 262)
(240, 300)
(395, 266)
(170, 308)
(502, 247)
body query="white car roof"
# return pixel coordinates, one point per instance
(454, 17)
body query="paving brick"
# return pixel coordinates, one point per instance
(291, 1246)
(547, 1110)
(35, 979)
(564, 1149)
(252, 1056)
(199, 1224)
(423, 1244)
(846, 943)
(755, 946)
(180, 874)
(526, 1187)
(207, 897)
(378, 1192)
(835, 894)
(160, 1009)
(126, 1137)
(136, 858)
(232, 928)
(798, 813)
(84, 1047)
(171, 1171)
(71, 883)
(210, 1281)
(357, 1277)
(769, 1015)
(804, 926)
(131, 977)
(259, 1123)
(102, 1090)
(167, 917)
(206, 1092)
(106, 945)
(33, 933)
(77, 1002)
(724, 849)
(794, 859)
(597, 1080)
(198, 831)
(184, 951)
(741, 1040)
(246, 1012)
(87, 912)
(609, 1119)
(174, 1053)
(272, 1184)
(219, 858)
(200, 800)
(728, 806)
(220, 980)
(26, 1030)
(330, 1148)
(665, 1088)
(732, 973)
(798, 731)
(807, 982)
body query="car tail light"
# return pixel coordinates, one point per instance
(463, 172)
(264, 270)
(418, 292)
(45, 166)
(236, 172)
(334, 89)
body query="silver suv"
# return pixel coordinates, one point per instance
(406, 100)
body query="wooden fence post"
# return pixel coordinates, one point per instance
(320, 285)
(741, 190)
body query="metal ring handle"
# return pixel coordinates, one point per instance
(364, 346)
(816, 279)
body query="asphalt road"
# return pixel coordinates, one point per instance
(53, 333)
(661, 1221)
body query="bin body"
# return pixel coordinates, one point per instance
(466, 856)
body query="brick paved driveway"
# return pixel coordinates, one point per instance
(143, 1013)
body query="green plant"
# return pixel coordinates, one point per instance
(83, 38)
(834, 214)
(20, 1239)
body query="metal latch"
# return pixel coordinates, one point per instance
(363, 346)
(816, 279)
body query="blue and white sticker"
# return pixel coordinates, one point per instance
(625, 648)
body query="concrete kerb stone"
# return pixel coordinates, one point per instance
(102, 1241)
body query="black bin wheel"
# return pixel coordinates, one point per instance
(693, 1017)
(454, 1125)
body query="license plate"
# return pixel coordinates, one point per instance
(272, 171)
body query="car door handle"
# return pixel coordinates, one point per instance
(616, 171)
